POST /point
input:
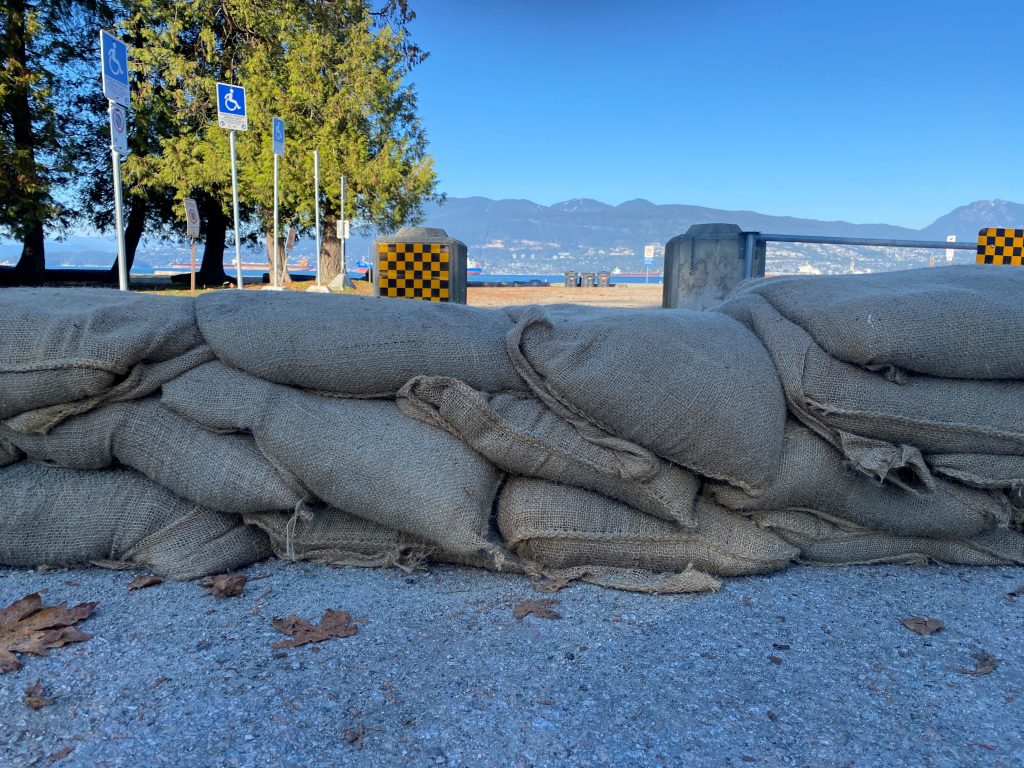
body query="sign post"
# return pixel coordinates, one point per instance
(231, 115)
(949, 251)
(648, 261)
(278, 125)
(316, 208)
(343, 233)
(192, 231)
(114, 66)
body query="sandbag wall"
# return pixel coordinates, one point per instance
(852, 419)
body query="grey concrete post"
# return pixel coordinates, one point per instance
(705, 264)
(420, 263)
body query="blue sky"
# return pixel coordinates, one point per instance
(862, 110)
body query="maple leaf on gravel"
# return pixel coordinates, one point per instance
(35, 698)
(923, 626)
(28, 627)
(333, 624)
(141, 582)
(225, 585)
(542, 609)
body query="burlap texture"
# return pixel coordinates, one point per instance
(522, 436)
(814, 477)
(669, 381)
(638, 580)
(65, 345)
(559, 526)
(874, 418)
(963, 322)
(364, 457)
(356, 345)
(325, 535)
(980, 470)
(51, 516)
(824, 542)
(224, 472)
(8, 453)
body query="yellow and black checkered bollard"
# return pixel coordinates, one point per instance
(1001, 246)
(420, 263)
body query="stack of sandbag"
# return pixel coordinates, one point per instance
(908, 386)
(651, 450)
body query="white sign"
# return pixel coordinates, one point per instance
(290, 242)
(119, 129)
(343, 229)
(114, 64)
(648, 255)
(191, 218)
(231, 107)
(949, 251)
(279, 136)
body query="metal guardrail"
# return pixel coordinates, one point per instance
(751, 239)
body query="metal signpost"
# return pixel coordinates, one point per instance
(231, 114)
(192, 231)
(114, 66)
(648, 261)
(342, 230)
(278, 125)
(316, 207)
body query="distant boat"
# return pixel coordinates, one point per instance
(619, 273)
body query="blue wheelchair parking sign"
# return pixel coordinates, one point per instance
(231, 112)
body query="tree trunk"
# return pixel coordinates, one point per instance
(30, 208)
(330, 256)
(31, 267)
(282, 259)
(211, 273)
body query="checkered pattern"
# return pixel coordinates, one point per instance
(1001, 246)
(413, 271)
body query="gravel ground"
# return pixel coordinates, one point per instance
(810, 667)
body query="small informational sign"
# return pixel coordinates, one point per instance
(231, 112)
(119, 129)
(648, 255)
(191, 218)
(290, 242)
(278, 137)
(114, 61)
(949, 251)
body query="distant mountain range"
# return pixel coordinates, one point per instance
(523, 237)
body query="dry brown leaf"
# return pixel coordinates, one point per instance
(984, 662)
(923, 626)
(550, 585)
(143, 581)
(60, 754)
(26, 626)
(34, 698)
(225, 585)
(333, 624)
(355, 736)
(542, 609)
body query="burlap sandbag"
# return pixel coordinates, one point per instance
(962, 322)
(696, 388)
(364, 457)
(980, 470)
(356, 345)
(64, 350)
(52, 516)
(825, 542)
(224, 472)
(814, 476)
(883, 423)
(559, 526)
(522, 436)
(8, 453)
(324, 535)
